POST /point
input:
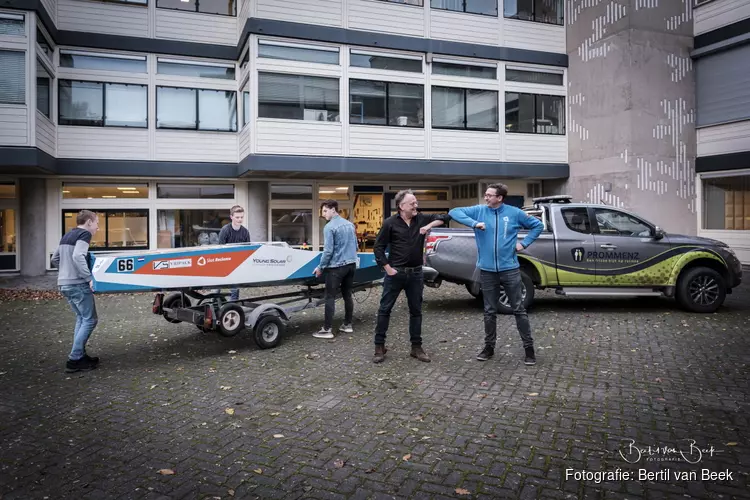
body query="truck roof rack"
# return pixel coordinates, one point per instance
(558, 198)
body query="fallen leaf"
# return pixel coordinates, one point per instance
(152, 386)
(658, 379)
(230, 493)
(232, 352)
(339, 463)
(533, 394)
(461, 491)
(258, 471)
(369, 471)
(380, 432)
(732, 443)
(484, 384)
(225, 387)
(415, 429)
(491, 436)
(407, 457)
(275, 414)
(229, 411)
(278, 436)
(166, 472)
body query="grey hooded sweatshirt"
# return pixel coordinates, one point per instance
(71, 258)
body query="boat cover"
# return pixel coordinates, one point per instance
(214, 266)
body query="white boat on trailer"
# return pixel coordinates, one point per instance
(195, 276)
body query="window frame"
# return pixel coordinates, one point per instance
(197, 11)
(402, 2)
(105, 227)
(463, 3)
(101, 55)
(104, 105)
(466, 94)
(140, 3)
(16, 17)
(533, 6)
(50, 89)
(589, 214)
(291, 45)
(337, 79)
(386, 55)
(597, 230)
(24, 93)
(534, 132)
(534, 70)
(387, 104)
(197, 110)
(188, 63)
(464, 64)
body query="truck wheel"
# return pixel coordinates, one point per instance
(474, 289)
(173, 301)
(231, 320)
(503, 306)
(268, 331)
(701, 290)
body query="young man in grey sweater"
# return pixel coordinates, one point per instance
(74, 280)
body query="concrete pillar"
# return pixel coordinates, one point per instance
(33, 215)
(256, 214)
(631, 122)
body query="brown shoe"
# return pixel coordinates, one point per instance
(380, 351)
(418, 352)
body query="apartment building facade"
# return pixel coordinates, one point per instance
(162, 114)
(722, 80)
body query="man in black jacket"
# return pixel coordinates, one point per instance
(234, 232)
(404, 233)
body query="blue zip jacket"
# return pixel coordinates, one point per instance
(496, 245)
(340, 243)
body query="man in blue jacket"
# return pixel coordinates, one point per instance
(496, 228)
(338, 263)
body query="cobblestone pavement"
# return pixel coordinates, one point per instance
(316, 419)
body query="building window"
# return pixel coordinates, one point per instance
(135, 2)
(465, 70)
(418, 3)
(92, 60)
(189, 228)
(196, 109)
(245, 59)
(484, 7)
(194, 69)
(118, 229)
(464, 109)
(291, 192)
(540, 11)
(223, 7)
(534, 114)
(44, 45)
(386, 103)
(245, 108)
(298, 97)
(195, 191)
(97, 104)
(43, 90)
(300, 53)
(12, 77)
(539, 77)
(726, 203)
(96, 191)
(12, 25)
(293, 226)
(376, 61)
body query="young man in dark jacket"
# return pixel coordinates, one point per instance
(404, 233)
(496, 228)
(74, 280)
(234, 232)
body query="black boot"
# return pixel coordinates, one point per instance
(530, 358)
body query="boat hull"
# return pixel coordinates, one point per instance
(217, 266)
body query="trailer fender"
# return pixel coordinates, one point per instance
(262, 309)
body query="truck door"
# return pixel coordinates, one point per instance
(574, 241)
(626, 252)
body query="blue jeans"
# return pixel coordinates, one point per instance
(411, 281)
(81, 300)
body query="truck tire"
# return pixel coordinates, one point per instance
(268, 331)
(701, 290)
(172, 301)
(231, 319)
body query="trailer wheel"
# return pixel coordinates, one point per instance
(231, 320)
(268, 331)
(172, 301)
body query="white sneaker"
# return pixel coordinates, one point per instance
(323, 334)
(346, 329)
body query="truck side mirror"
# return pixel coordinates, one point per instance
(658, 233)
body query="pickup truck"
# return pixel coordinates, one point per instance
(596, 250)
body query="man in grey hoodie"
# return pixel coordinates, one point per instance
(74, 280)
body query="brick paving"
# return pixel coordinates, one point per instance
(316, 419)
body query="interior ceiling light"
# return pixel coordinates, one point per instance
(343, 188)
(128, 188)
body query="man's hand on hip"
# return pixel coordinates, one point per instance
(480, 226)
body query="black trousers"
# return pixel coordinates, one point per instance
(411, 281)
(339, 278)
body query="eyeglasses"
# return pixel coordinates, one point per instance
(487, 195)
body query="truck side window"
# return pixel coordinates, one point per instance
(616, 223)
(577, 219)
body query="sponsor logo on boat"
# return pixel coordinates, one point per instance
(172, 264)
